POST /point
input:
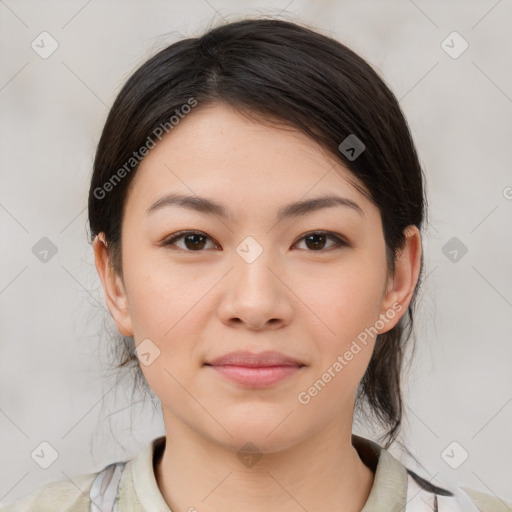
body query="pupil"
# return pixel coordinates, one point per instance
(194, 244)
(310, 237)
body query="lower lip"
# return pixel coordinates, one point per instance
(259, 377)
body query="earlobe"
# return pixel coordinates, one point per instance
(402, 284)
(115, 294)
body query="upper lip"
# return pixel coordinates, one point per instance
(262, 359)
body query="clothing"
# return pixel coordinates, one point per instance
(130, 486)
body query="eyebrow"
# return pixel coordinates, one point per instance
(210, 207)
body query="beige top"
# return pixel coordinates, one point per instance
(130, 486)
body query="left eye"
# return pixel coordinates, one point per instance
(195, 241)
(317, 240)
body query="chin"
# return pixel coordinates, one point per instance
(259, 437)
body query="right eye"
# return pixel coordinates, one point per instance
(194, 241)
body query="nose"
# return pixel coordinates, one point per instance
(255, 296)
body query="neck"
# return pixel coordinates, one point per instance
(322, 473)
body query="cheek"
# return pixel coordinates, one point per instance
(162, 297)
(345, 300)
(164, 307)
(168, 306)
(349, 308)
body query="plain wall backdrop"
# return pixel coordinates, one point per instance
(52, 108)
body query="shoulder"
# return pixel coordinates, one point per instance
(487, 503)
(113, 484)
(63, 495)
(423, 496)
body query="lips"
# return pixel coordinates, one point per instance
(255, 371)
(248, 359)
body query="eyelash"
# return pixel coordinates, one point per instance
(340, 242)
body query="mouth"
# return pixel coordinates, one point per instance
(255, 370)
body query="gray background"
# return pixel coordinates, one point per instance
(52, 357)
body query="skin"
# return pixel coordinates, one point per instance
(307, 301)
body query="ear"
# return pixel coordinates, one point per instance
(401, 285)
(113, 286)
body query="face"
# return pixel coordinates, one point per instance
(307, 282)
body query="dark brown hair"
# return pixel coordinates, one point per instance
(276, 70)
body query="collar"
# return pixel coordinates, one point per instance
(389, 489)
(388, 493)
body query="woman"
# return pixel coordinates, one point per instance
(256, 210)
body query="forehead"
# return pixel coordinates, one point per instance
(216, 151)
